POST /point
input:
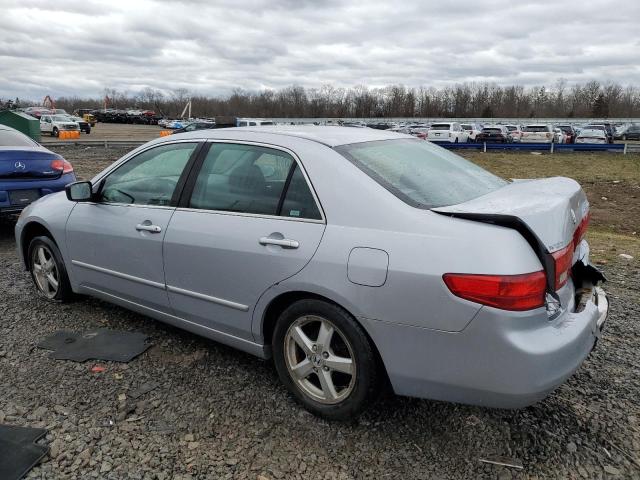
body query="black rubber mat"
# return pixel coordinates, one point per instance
(100, 344)
(18, 450)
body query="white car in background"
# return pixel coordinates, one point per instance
(589, 135)
(515, 132)
(54, 124)
(447, 132)
(537, 133)
(472, 130)
(559, 136)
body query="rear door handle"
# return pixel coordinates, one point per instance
(148, 228)
(282, 242)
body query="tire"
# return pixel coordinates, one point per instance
(55, 132)
(456, 140)
(88, 131)
(41, 251)
(339, 395)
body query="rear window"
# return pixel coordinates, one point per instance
(536, 128)
(491, 130)
(440, 126)
(421, 174)
(511, 128)
(15, 139)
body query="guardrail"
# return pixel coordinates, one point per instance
(545, 147)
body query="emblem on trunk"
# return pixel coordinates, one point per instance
(19, 166)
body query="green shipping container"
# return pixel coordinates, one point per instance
(21, 121)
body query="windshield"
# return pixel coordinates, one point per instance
(421, 174)
(440, 126)
(60, 118)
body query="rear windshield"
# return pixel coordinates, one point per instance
(440, 126)
(14, 139)
(511, 128)
(536, 128)
(420, 173)
(491, 130)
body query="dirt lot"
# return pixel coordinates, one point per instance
(116, 131)
(219, 413)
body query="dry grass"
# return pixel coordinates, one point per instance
(584, 167)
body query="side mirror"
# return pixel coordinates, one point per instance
(79, 191)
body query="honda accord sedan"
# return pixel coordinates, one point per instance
(28, 171)
(352, 257)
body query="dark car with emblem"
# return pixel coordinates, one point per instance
(28, 171)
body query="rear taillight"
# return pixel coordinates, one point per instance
(563, 259)
(61, 165)
(507, 292)
(580, 232)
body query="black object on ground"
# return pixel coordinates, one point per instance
(18, 450)
(100, 344)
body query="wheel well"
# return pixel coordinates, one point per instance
(281, 302)
(29, 232)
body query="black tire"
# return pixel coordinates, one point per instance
(55, 132)
(88, 131)
(64, 292)
(367, 378)
(456, 140)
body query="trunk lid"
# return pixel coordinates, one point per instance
(23, 163)
(546, 212)
(551, 208)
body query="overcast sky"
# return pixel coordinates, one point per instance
(211, 47)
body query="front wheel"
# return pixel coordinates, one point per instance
(48, 271)
(55, 132)
(325, 359)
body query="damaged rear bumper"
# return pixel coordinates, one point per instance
(502, 359)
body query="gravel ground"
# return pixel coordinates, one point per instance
(219, 413)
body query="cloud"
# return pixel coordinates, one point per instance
(212, 48)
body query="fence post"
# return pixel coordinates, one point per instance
(624, 150)
(484, 148)
(552, 144)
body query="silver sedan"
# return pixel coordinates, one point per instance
(349, 256)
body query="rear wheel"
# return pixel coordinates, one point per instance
(48, 271)
(325, 359)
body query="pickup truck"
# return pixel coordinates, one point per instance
(54, 124)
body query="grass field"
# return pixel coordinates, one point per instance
(612, 183)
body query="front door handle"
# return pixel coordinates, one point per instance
(282, 242)
(148, 228)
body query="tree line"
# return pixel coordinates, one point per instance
(470, 100)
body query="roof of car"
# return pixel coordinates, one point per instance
(330, 136)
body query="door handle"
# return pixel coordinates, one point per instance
(282, 242)
(148, 228)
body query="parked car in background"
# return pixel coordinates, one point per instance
(569, 132)
(447, 132)
(537, 133)
(494, 134)
(515, 132)
(559, 136)
(37, 112)
(445, 280)
(472, 130)
(82, 124)
(195, 126)
(419, 132)
(54, 124)
(592, 135)
(606, 127)
(28, 171)
(632, 132)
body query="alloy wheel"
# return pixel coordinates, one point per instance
(320, 359)
(45, 271)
